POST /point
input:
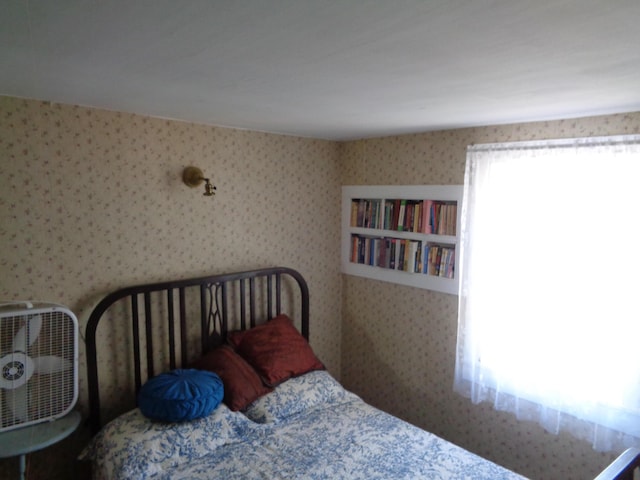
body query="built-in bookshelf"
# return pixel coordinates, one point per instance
(403, 234)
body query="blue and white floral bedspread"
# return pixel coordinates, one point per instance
(308, 428)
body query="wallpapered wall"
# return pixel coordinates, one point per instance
(91, 201)
(398, 344)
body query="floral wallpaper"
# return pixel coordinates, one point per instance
(91, 201)
(398, 343)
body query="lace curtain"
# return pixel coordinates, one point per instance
(549, 314)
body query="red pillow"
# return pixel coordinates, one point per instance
(276, 350)
(242, 385)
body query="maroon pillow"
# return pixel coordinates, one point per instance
(242, 385)
(276, 350)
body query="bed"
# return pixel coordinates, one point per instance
(296, 421)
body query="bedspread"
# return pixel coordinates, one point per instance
(308, 428)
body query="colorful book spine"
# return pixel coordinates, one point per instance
(396, 215)
(401, 215)
(427, 207)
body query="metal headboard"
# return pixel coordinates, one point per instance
(251, 297)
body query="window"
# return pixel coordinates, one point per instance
(549, 314)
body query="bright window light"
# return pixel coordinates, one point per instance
(549, 317)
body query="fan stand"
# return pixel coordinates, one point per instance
(25, 440)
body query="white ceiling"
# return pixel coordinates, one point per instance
(335, 69)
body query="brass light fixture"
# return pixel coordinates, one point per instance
(193, 177)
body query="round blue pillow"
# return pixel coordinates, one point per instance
(180, 395)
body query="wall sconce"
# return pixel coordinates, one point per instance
(193, 177)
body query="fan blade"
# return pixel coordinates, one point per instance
(33, 326)
(16, 400)
(50, 364)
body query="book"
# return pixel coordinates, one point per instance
(388, 215)
(442, 266)
(435, 257)
(412, 250)
(427, 207)
(354, 213)
(375, 253)
(387, 253)
(375, 221)
(453, 219)
(354, 249)
(396, 215)
(401, 215)
(361, 213)
(425, 259)
(382, 253)
(393, 254)
(360, 250)
(408, 217)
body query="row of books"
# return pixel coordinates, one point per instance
(420, 216)
(402, 254)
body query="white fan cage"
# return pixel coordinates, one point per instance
(39, 363)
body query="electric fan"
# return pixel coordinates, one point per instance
(39, 363)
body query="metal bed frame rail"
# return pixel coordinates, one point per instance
(625, 467)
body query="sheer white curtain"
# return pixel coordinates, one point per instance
(549, 313)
